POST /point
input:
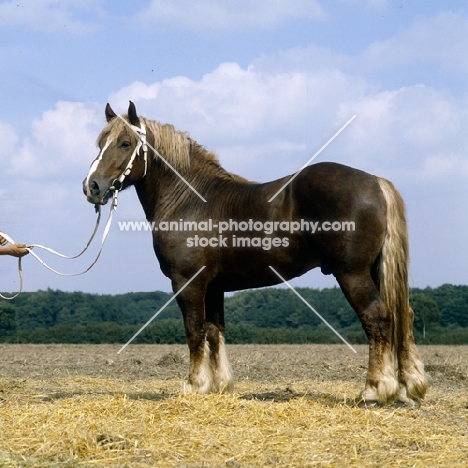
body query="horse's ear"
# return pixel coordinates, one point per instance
(110, 114)
(132, 115)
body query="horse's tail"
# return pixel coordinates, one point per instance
(394, 261)
(394, 291)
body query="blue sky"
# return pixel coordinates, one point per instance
(264, 83)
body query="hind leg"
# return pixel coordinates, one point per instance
(412, 378)
(377, 322)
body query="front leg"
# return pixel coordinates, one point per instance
(192, 303)
(214, 314)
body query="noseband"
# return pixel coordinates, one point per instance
(142, 143)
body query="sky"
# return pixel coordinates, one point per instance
(263, 83)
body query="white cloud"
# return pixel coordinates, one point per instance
(240, 104)
(278, 105)
(240, 108)
(49, 15)
(441, 40)
(409, 131)
(248, 116)
(205, 15)
(63, 139)
(270, 123)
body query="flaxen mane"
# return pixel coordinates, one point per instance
(174, 146)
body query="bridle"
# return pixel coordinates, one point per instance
(142, 143)
(115, 187)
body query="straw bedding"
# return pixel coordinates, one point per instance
(100, 421)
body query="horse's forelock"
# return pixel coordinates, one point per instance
(112, 131)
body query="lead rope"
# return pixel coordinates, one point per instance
(52, 251)
(142, 143)
(30, 248)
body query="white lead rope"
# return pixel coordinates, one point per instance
(52, 251)
(142, 143)
(30, 248)
(20, 272)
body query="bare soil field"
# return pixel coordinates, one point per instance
(294, 405)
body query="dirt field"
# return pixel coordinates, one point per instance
(84, 405)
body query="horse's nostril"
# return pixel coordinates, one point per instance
(94, 187)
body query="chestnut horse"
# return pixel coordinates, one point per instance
(177, 180)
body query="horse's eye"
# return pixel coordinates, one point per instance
(125, 145)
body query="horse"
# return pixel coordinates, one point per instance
(180, 184)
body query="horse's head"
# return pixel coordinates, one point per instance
(122, 158)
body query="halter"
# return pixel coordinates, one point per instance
(142, 143)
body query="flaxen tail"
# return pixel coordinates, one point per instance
(394, 290)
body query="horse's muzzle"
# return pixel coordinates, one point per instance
(94, 193)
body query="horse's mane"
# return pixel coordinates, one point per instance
(176, 147)
(173, 145)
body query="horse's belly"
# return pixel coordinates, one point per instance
(244, 268)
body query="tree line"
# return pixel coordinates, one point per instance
(271, 315)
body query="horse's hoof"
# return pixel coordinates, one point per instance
(367, 403)
(403, 400)
(410, 403)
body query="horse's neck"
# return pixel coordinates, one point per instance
(163, 192)
(157, 192)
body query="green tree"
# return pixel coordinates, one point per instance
(453, 303)
(8, 324)
(426, 312)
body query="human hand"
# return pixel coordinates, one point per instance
(15, 250)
